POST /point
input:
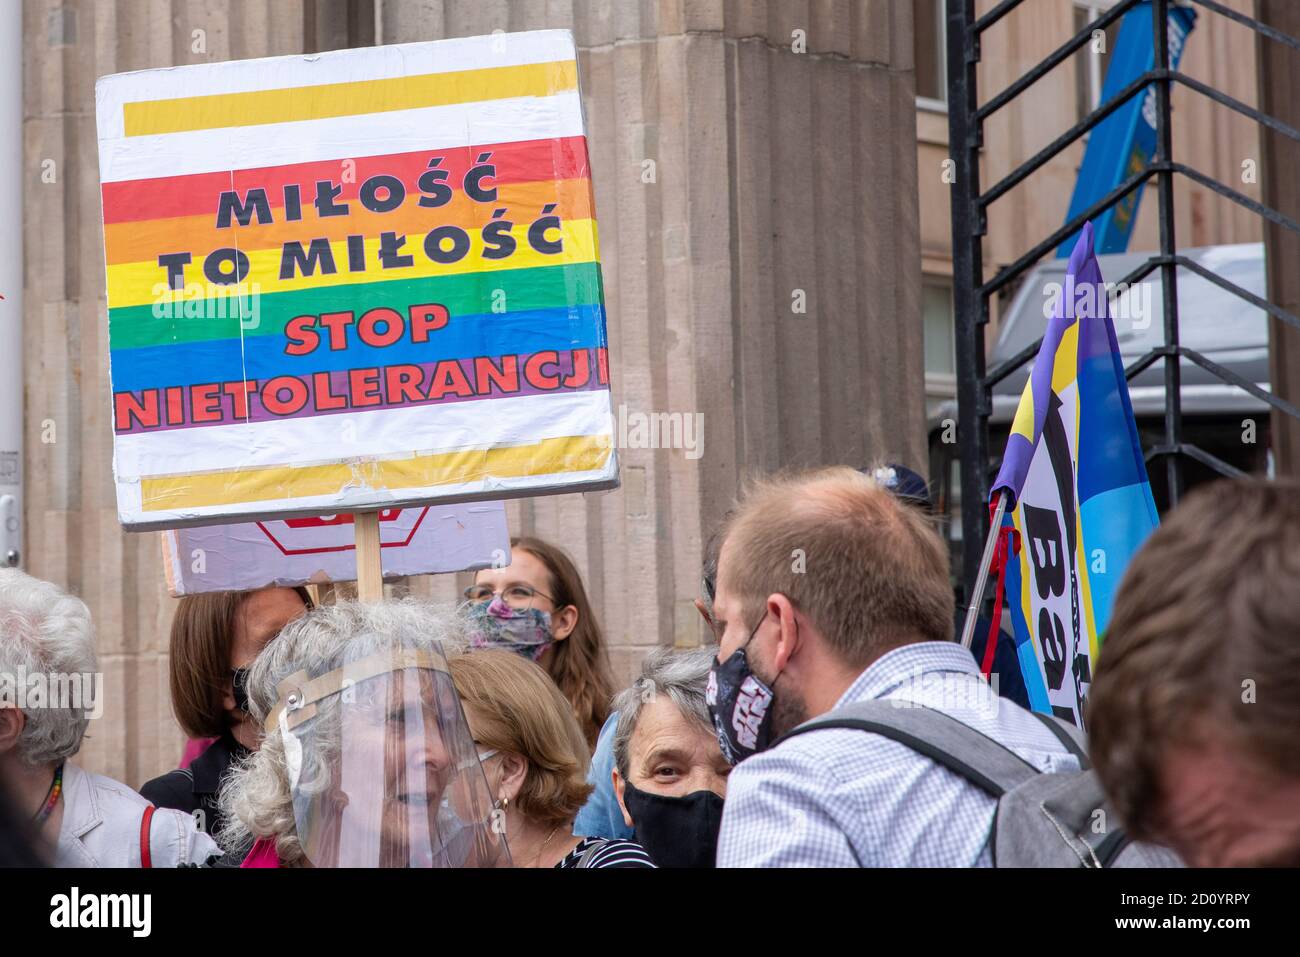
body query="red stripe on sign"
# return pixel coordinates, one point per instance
(528, 161)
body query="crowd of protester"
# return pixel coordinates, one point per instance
(834, 719)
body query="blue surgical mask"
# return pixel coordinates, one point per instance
(455, 837)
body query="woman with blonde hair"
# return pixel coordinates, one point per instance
(537, 606)
(535, 758)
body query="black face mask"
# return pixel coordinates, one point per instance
(239, 681)
(676, 831)
(239, 676)
(740, 704)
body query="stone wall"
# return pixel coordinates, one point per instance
(755, 177)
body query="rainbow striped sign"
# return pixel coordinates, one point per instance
(360, 279)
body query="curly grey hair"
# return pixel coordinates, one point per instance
(46, 631)
(681, 675)
(255, 798)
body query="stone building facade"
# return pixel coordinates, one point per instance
(755, 175)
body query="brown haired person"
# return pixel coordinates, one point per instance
(537, 606)
(215, 637)
(535, 761)
(1194, 712)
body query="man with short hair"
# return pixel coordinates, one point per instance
(832, 591)
(1194, 710)
(911, 489)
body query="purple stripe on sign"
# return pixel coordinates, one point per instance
(311, 394)
(1015, 465)
(1082, 268)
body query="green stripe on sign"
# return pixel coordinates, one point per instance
(511, 290)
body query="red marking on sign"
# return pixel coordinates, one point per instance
(343, 518)
(387, 515)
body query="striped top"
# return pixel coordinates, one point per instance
(607, 853)
(846, 798)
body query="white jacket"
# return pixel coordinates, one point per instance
(101, 827)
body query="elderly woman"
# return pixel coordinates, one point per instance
(535, 758)
(366, 760)
(47, 657)
(669, 773)
(602, 815)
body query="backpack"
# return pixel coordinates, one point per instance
(1042, 819)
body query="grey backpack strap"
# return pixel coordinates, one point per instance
(983, 762)
(1065, 733)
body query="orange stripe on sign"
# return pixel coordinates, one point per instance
(260, 107)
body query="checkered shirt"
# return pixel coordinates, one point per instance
(846, 798)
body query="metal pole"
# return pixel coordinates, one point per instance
(982, 579)
(14, 177)
(969, 305)
(1168, 273)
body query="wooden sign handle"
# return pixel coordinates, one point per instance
(370, 576)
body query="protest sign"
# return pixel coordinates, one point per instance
(423, 540)
(353, 280)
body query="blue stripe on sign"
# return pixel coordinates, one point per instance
(1030, 668)
(262, 357)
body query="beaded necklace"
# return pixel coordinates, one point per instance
(51, 798)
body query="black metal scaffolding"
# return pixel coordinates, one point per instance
(970, 207)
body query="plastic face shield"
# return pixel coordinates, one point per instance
(382, 766)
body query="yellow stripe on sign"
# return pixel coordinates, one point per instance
(286, 105)
(574, 453)
(145, 283)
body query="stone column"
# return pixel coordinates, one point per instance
(755, 177)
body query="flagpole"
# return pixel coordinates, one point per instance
(982, 579)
